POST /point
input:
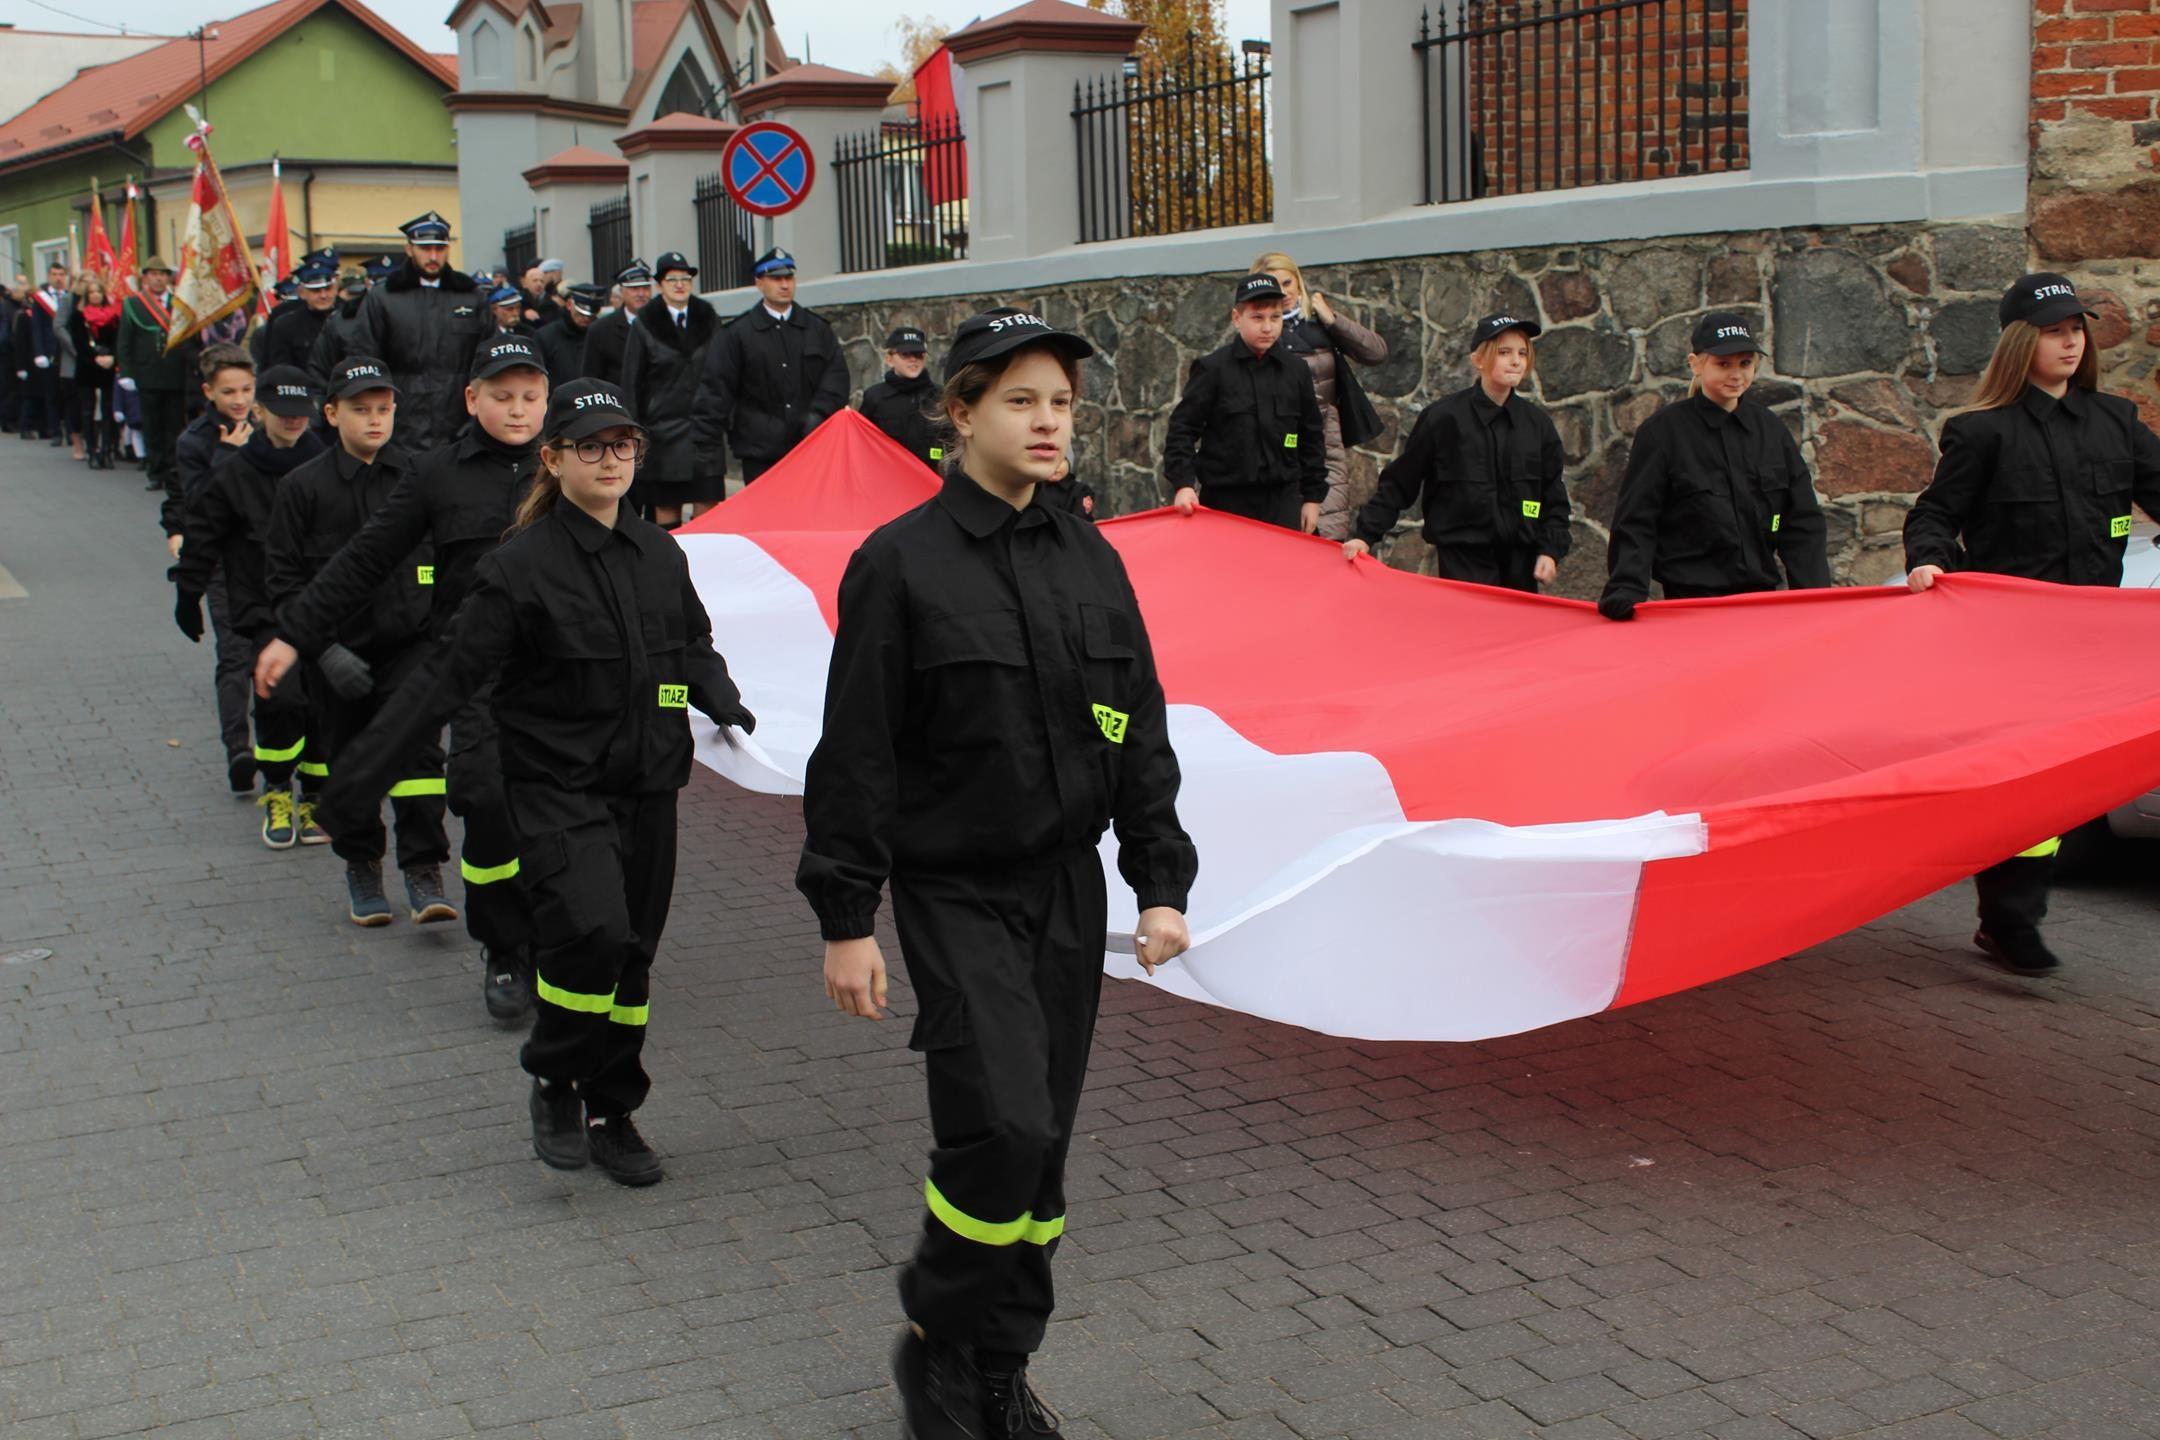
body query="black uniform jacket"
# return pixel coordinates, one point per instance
(2042, 489)
(597, 644)
(1247, 419)
(321, 506)
(228, 521)
(426, 335)
(768, 382)
(1711, 502)
(1486, 474)
(194, 452)
(901, 408)
(992, 701)
(288, 337)
(605, 341)
(660, 380)
(458, 499)
(338, 336)
(562, 342)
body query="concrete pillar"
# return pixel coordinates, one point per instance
(822, 104)
(1344, 108)
(667, 159)
(1020, 69)
(565, 187)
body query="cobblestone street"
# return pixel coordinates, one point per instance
(264, 1174)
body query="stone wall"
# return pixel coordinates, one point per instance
(1877, 333)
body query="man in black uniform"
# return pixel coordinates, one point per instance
(992, 707)
(461, 498)
(424, 322)
(1248, 434)
(288, 337)
(609, 335)
(772, 376)
(562, 339)
(900, 404)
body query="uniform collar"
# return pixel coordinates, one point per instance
(1481, 405)
(1241, 351)
(474, 442)
(2040, 405)
(590, 534)
(976, 510)
(1715, 415)
(349, 464)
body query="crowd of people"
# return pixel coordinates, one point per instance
(429, 514)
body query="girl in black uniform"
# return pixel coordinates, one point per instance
(1486, 464)
(586, 619)
(992, 706)
(1716, 493)
(2036, 480)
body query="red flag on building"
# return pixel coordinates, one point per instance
(216, 272)
(98, 256)
(124, 265)
(937, 109)
(277, 242)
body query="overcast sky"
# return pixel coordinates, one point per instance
(832, 30)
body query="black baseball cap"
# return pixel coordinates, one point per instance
(907, 340)
(507, 351)
(583, 408)
(1492, 327)
(673, 260)
(2042, 299)
(288, 390)
(1257, 286)
(996, 332)
(359, 374)
(1723, 333)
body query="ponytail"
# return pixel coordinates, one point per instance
(540, 499)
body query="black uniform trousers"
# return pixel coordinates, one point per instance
(2014, 894)
(164, 416)
(1511, 567)
(600, 870)
(235, 672)
(1276, 504)
(751, 469)
(1008, 966)
(417, 796)
(488, 860)
(280, 723)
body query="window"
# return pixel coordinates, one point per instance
(532, 53)
(487, 52)
(685, 91)
(10, 252)
(48, 253)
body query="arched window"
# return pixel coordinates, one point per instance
(487, 52)
(686, 89)
(532, 54)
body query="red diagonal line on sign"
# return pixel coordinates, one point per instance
(770, 168)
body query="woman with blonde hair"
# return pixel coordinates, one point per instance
(1328, 341)
(2036, 479)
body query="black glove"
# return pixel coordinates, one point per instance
(347, 673)
(740, 718)
(187, 614)
(1612, 607)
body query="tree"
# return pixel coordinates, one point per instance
(920, 36)
(1177, 30)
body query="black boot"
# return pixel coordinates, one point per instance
(506, 984)
(558, 1119)
(940, 1390)
(618, 1149)
(424, 894)
(2013, 902)
(1011, 1410)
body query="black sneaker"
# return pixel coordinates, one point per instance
(618, 1149)
(1011, 1410)
(363, 884)
(506, 984)
(240, 775)
(558, 1118)
(423, 891)
(2020, 951)
(940, 1391)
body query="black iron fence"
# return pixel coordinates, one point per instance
(726, 236)
(521, 250)
(903, 194)
(1519, 96)
(1180, 149)
(609, 222)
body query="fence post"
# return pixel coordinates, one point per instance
(1345, 109)
(1021, 70)
(823, 104)
(666, 159)
(565, 187)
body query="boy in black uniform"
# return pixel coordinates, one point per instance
(587, 624)
(2036, 480)
(459, 499)
(1485, 463)
(992, 706)
(1247, 432)
(228, 523)
(1716, 493)
(900, 404)
(322, 505)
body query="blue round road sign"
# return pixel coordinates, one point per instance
(767, 168)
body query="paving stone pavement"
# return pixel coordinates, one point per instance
(263, 1174)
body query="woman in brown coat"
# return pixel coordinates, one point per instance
(1328, 341)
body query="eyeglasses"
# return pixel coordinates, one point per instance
(628, 448)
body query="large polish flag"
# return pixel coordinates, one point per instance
(1434, 811)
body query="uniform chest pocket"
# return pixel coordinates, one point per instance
(2111, 477)
(984, 637)
(1107, 633)
(580, 637)
(664, 630)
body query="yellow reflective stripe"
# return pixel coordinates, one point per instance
(571, 999)
(2042, 850)
(986, 1232)
(486, 874)
(315, 768)
(274, 756)
(629, 1014)
(403, 788)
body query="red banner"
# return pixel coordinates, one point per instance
(277, 242)
(98, 256)
(124, 265)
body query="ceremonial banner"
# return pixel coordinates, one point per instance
(98, 256)
(277, 243)
(216, 274)
(124, 265)
(1435, 811)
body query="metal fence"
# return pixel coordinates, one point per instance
(1181, 149)
(903, 194)
(521, 250)
(1518, 96)
(609, 222)
(726, 236)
